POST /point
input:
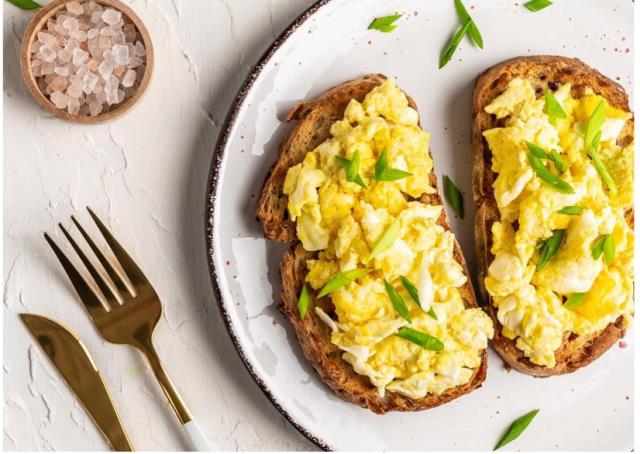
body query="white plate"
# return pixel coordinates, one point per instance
(591, 409)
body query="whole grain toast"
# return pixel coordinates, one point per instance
(542, 71)
(314, 120)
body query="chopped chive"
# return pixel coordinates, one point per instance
(545, 175)
(464, 16)
(386, 240)
(575, 299)
(599, 165)
(424, 340)
(516, 428)
(609, 249)
(594, 124)
(453, 44)
(341, 279)
(571, 210)
(351, 168)
(303, 301)
(397, 302)
(413, 293)
(536, 5)
(384, 173)
(553, 108)
(540, 153)
(26, 4)
(453, 196)
(384, 24)
(549, 248)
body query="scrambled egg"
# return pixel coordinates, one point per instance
(531, 304)
(343, 220)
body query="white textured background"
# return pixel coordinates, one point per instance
(145, 175)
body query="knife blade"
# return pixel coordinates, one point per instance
(72, 360)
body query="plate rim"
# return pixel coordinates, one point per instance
(210, 206)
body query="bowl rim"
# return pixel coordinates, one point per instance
(37, 24)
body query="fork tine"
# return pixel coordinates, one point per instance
(135, 274)
(88, 297)
(108, 293)
(113, 274)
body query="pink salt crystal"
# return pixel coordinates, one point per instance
(111, 16)
(134, 62)
(92, 65)
(61, 71)
(96, 17)
(104, 42)
(140, 70)
(94, 48)
(92, 33)
(59, 99)
(47, 39)
(79, 35)
(119, 38)
(71, 24)
(140, 50)
(93, 6)
(75, 8)
(129, 78)
(48, 54)
(64, 55)
(119, 71)
(79, 56)
(48, 68)
(58, 83)
(105, 69)
(72, 44)
(120, 96)
(120, 54)
(107, 55)
(73, 106)
(95, 108)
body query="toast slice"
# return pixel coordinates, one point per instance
(315, 118)
(542, 71)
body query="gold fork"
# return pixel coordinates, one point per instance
(129, 323)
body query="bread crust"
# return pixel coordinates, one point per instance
(542, 71)
(314, 120)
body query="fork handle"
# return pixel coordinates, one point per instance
(197, 438)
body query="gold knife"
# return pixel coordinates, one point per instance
(76, 366)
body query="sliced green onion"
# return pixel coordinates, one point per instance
(540, 153)
(453, 44)
(303, 301)
(545, 175)
(424, 340)
(594, 124)
(537, 5)
(341, 279)
(351, 168)
(384, 173)
(552, 107)
(549, 248)
(26, 4)
(453, 196)
(609, 249)
(413, 293)
(599, 165)
(386, 240)
(516, 428)
(464, 16)
(397, 302)
(557, 160)
(385, 23)
(571, 209)
(598, 247)
(575, 299)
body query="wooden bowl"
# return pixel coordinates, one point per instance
(39, 22)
